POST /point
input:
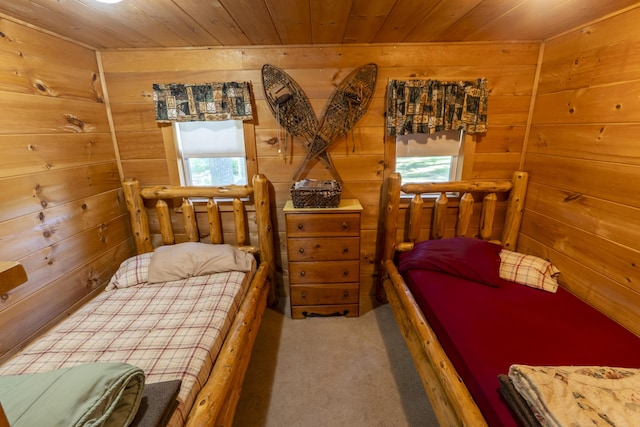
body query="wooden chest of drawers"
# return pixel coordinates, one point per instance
(323, 247)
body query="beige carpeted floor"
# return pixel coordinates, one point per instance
(332, 372)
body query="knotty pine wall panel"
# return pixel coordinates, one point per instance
(31, 193)
(583, 158)
(141, 145)
(360, 156)
(74, 287)
(33, 154)
(62, 213)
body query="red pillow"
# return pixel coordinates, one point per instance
(471, 259)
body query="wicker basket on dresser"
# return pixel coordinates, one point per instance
(323, 247)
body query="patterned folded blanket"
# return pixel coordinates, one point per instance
(93, 394)
(580, 395)
(516, 402)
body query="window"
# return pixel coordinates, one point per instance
(422, 157)
(212, 152)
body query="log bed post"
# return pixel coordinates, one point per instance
(515, 209)
(265, 230)
(138, 216)
(390, 207)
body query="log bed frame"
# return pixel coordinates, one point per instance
(451, 401)
(217, 400)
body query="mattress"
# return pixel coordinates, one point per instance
(172, 331)
(484, 330)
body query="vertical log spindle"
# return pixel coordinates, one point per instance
(239, 220)
(465, 211)
(439, 216)
(487, 216)
(190, 225)
(215, 225)
(415, 217)
(164, 219)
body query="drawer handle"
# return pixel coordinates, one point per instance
(345, 225)
(300, 226)
(304, 294)
(345, 250)
(301, 250)
(337, 313)
(345, 294)
(345, 273)
(302, 273)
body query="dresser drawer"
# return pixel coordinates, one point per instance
(323, 249)
(321, 224)
(303, 311)
(324, 272)
(337, 293)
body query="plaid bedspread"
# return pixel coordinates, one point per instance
(172, 330)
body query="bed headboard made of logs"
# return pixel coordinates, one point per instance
(243, 198)
(488, 192)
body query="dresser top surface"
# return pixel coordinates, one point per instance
(346, 205)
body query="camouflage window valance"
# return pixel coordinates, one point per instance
(201, 102)
(429, 106)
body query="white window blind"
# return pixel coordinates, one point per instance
(445, 143)
(211, 139)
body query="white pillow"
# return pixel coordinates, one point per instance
(528, 270)
(175, 262)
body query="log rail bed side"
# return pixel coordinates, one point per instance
(217, 400)
(451, 401)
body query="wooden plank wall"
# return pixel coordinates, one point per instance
(61, 212)
(583, 156)
(359, 157)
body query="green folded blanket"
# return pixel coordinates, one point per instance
(93, 394)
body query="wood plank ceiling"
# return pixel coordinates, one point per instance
(180, 23)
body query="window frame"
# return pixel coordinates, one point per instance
(446, 145)
(174, 160)
(185, 159)
(465, 159)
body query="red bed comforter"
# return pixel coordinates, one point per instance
(484, 330)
